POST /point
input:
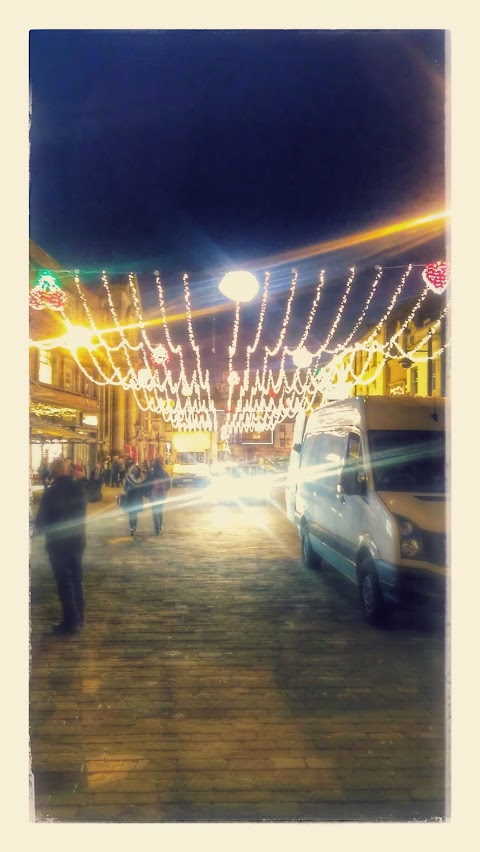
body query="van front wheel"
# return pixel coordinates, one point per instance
(309, 557)
(371, 600)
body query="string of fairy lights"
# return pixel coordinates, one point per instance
(266, 383)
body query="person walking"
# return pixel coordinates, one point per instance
(121, 470)
(133, 490)
(157, 487)
(107, 471)
(61, 518)
(44, 473)
(115, 480)
(96, 482)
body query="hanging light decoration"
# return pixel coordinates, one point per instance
(47, 294)
(261, 391)
(437, 276)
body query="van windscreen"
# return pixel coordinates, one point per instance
(408, 460)
(191, 458)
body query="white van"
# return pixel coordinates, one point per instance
(366, 489)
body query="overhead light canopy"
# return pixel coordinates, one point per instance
(240, 286)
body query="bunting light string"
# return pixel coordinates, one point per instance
(360, 319)
(269, 352)
(253, 348)
(176, 350)
(429, 336)
(203, 380)
(125, 344)
(313, 310)
(339, 314)
(391, 306)
(95, 332)
(300, 347)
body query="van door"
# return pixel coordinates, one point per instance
(292, 473)
(322, 456)
(353, 512)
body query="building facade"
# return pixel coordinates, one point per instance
(69, 414)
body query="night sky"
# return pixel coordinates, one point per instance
(200, 151)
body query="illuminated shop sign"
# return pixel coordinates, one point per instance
(257, 437)
(89, 420)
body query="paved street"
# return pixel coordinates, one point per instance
(218, 680)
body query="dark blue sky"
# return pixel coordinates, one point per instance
(193, 151)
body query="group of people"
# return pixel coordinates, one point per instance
(61, 517)
(152, 482)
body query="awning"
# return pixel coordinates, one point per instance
(41, 432)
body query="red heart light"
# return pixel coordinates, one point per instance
(437, 276)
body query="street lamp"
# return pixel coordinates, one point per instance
(239, 286)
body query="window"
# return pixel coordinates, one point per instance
(414, 380)
(45, 368)
(67, 375)
(55, 370)
(77, 380)
(410, 460)
(323, 454)
(354, 457)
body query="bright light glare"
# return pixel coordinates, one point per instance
(239, 286)
(78, 337)
(223, 517)
(302, 357)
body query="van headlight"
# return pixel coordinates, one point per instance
(411, 541)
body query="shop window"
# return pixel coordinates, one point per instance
(45, 368)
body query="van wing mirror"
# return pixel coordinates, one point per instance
(353, 480)
(296, 448)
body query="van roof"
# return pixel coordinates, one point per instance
(382, 412)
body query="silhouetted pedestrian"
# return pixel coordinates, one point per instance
(61, 518)
(133, 490)
(157, 487)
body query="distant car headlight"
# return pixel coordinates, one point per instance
(411, 540)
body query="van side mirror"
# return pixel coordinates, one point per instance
(353, 480)
(296, 448)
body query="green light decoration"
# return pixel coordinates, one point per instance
(47, 294)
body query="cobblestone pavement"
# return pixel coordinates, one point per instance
(218, 680)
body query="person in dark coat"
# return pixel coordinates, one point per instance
(61, 518)
(133, 490)
(115, 480)
(96, 482)
(157, 487)
(44, 473)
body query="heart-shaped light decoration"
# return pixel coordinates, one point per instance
(47, 294)
(437, 276)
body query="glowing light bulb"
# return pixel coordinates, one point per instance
(239, 286)
(79, 337)
(302, 357)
